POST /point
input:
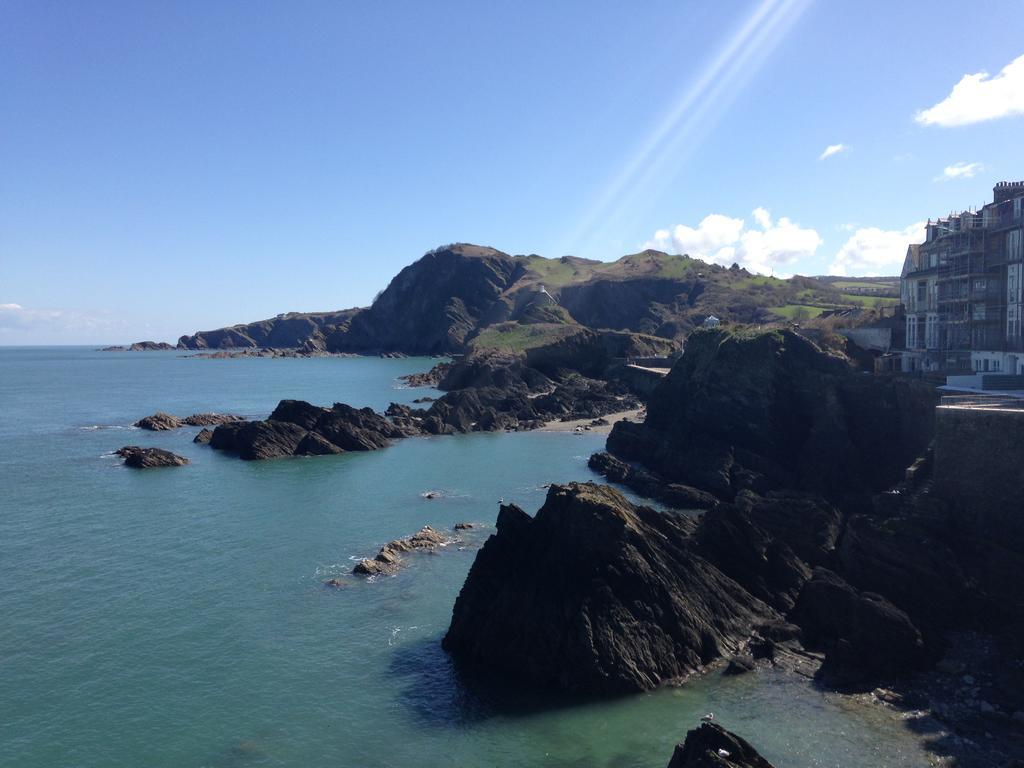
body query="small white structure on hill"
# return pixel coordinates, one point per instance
(711, 322)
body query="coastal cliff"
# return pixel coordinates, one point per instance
(770, 411)
(463, 296)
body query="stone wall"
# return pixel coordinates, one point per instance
(979, 465)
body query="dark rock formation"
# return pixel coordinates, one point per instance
(149, 458)
(162, 421)
(807, 523)
(429, 378)
(336, 583)
(595, 595)
(150, 346)
(866, 638)
(210, 419)
(712, 746)
(290, 330)
(431, 306)
(158, 422)
(462, 526)
(770, 411)
(389, 559)
(297, 428)
(647, 484)
(204, 436)
(766, 567)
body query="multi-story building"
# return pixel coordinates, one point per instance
(961, 290)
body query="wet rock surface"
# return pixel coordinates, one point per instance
(150, 458)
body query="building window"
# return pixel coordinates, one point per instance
(922, 290)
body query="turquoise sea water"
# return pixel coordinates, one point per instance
(178, 617)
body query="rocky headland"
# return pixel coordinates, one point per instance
(462, 297)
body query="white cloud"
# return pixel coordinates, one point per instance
(19, 324)
(873, 251)
(724, 240)
(980, 97)
(832, 149)
(960, 171)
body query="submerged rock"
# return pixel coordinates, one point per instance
(158, 422)
(596, 595)
(149, 458)
(712, 746)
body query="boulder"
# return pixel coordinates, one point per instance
(596, 595)
(158, 422)
(712, 746)
(149, 458)
(204, 436)
(867, 640)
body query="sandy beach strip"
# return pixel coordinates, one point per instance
(611, 418)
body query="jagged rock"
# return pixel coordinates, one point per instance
(805, 522)
(647, 484)
(298, 428)
(770, 411)
(712, 746)
(764, 566)
(596, 595)
(866, 638)
(429, 378)
(203, 437)
(149, 458)
(253, 440)
(150, 346)
(210, 419)
(462, 526)
(158, 422)
(388, 560)
(739, 665)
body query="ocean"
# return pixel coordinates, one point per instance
(178, 617)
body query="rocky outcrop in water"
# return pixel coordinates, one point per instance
(712, 746)
(150, 458)
(159, 422)
(297, 428)
(287, 331)
(204, 436)
(210, 419)
(596, 595)
(389, 559)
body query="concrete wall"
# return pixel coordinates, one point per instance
(979, 465)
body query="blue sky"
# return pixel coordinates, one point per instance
(170, 167)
